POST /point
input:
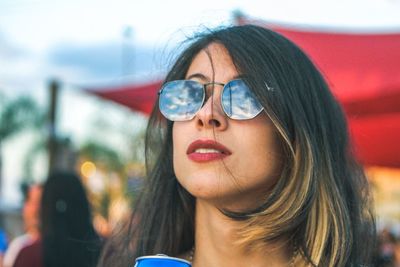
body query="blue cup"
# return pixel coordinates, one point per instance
(161, 260)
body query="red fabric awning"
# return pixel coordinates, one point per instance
(363, 71)
(376, 139)
(139, 97)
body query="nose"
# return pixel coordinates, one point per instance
(211, 114)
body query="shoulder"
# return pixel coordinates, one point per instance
(20, 242)
(30, 255)
(15, 247)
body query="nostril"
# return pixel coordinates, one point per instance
(214, 122)
(200, 123)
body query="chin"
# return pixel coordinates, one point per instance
(201, 187)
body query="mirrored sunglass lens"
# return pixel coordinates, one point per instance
(239, 102)
(180, 100)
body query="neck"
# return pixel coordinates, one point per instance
(216, 243)
(33, 232)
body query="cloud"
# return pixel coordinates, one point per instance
(8, 50)
(19, 68)
(108, 60)
(79, 64)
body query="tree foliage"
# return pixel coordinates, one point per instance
(18, 114)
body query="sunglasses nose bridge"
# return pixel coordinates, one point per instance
(211, 112)
(210, 92)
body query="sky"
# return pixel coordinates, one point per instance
(97, 42)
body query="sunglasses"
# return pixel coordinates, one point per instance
(180, 100)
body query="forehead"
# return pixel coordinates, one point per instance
(213, 62)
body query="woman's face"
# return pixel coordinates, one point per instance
(229, 162)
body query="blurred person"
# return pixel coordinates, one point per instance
(30, 216)
(387, 243)
(68, 237)
(388, 249)
(249, 163)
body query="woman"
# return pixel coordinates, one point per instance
(249, 162)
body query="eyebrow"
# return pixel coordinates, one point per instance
(205, 78)
(198, 76)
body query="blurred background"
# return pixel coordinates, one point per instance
(78, 78)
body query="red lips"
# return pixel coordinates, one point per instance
(207, 150)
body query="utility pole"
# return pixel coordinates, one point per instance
(52, 124)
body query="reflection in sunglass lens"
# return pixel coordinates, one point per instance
(239, 102)
(180, 100)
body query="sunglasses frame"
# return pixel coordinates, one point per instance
(204, 86)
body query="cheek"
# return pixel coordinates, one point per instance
(178, 141)
(260, 158)
(271, 154)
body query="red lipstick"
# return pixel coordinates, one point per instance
(207, 150)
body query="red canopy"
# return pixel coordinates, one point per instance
(137, 97)
(363, 71)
